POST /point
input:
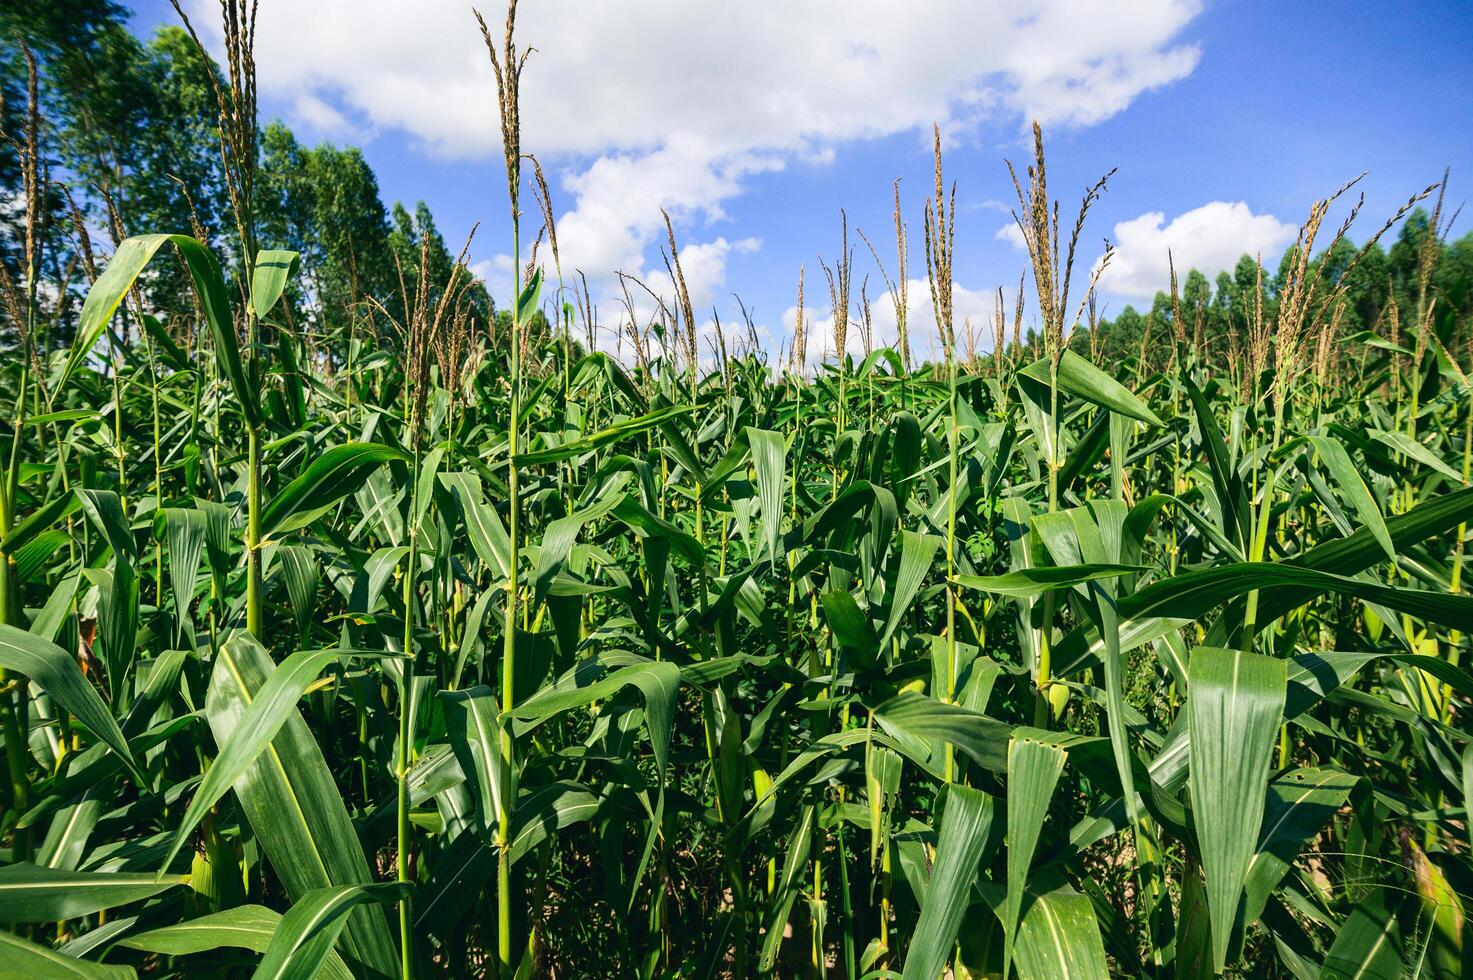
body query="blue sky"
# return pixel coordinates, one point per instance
(755, 124)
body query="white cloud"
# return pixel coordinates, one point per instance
(648, 103)
(651, 103)
(616, 215)
(327, 119)
(1013, 235)
(1210, 238)
(626, 75)
(925, 340)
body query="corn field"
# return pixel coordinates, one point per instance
(447, 650)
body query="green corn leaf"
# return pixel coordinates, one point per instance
(58, 675)
(787, 893)
(1081, 378)
(474, 727)
(113, 284)
(1230, 495)
(1467, 787)
(527, 301)
(105, 509)
(331, 477)
(1402, 443)
(604, 437)
(1299, 805)
(293, 805)
(42, 518)
(184, 531)
(274, 268)
(483, 527)
(272, 704)
(917, 552)
(911, 715)
(1235, 704)
(966, 821)
(548, 809)
(26, 959)
(851, 627)
(1029, 583)
(1190, 594)
(1193, 953)
(769, 461)
(305, 936)
(1034, 767)
(29, 893)
(300, 572)
(1060, 937)
(591, 680)
(558, 538)
(243, 927)
(1353, 486)
(1368, 945)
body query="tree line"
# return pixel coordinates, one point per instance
(125, 136)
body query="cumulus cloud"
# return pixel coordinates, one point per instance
(1210, 238)
(968, 306)
(676, 103)
(1013, 235)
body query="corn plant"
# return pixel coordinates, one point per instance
(499, 655)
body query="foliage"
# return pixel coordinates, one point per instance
(1149, 662)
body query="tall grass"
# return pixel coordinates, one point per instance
(696, 666)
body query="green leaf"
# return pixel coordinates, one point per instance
(300, 572)
(603, 437)
(769, 460)
(1060, 937)
(966, 821)
(244, 927)
(527, 301)
(105, 509)
(547, 809)
(42, 518)
(1034, 767)
(1081, 378)
(105, 296)
(34, 894)
(917, 552)
(294, 807)
(1299, 805)
(851, 626)
(184, 531)
(1348, 479)
(305, 936)
(108, 291)
(26, 959)
(1402, 443)
(1029, 583)
(274, 268)
(911, 715)
(658, 681)
(1230, 495)
(57, 673)
(486, 532)
(1236, 702)
(332, 476)
(1368, 945)
(271, 705)
(560, 535)
(65, 415)
(474, 728)
(788, 887)
(1190, 594)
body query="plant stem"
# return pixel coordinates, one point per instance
(253, 533)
